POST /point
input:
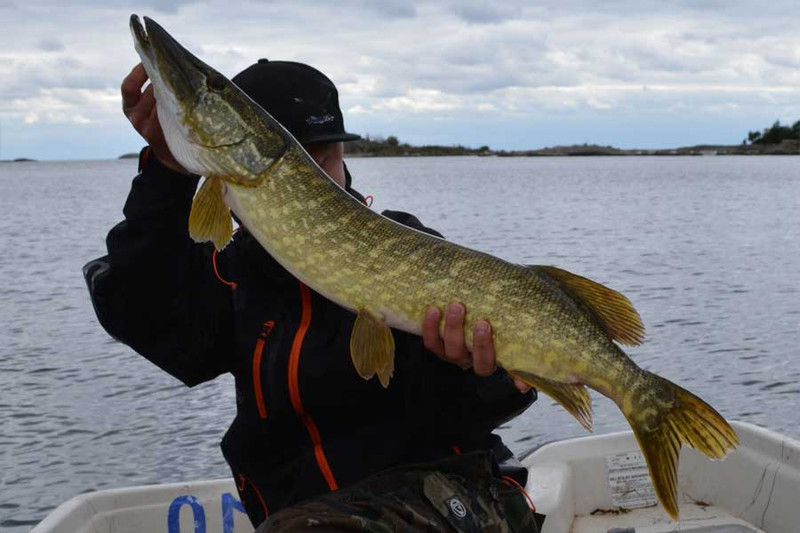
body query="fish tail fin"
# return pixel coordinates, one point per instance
(690, 421)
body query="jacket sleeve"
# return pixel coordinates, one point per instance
(156, 290)
(470, 406)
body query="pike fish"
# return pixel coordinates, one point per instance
(554, 330)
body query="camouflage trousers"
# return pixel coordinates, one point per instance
(461, 494)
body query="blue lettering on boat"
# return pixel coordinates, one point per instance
(229, 505)
(174, 514)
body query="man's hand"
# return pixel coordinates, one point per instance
(451, 346)
(140, 108)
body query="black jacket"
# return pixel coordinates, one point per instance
(306, 422)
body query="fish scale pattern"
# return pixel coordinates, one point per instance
(362, 260)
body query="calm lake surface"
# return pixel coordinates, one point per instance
(707, 248)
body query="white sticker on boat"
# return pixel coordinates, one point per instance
(630, 483)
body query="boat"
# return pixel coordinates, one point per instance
(590, 484)
(600, 484)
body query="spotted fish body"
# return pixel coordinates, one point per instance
(552, 329)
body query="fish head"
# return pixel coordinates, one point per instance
(211, 127)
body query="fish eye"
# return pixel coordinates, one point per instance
(215, 83)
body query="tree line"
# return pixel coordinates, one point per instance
(775, 134)
(391, 146)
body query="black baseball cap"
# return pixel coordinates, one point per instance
(304, 100)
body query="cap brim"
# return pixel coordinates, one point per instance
(330, 138)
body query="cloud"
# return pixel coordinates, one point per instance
(484, 11)
(391, 8)
(51, 45)
(57, 106)
(159, 6)
(55, 117)
(421, 64)
(419, 101)
(20, 77)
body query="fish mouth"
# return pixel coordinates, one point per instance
(166, 61)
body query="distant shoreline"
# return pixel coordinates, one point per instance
(391, 148)
(388, 148)
(19, 160)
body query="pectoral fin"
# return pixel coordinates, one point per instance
(613, 311)
(210, 218)
(372, 347)
(574, 397)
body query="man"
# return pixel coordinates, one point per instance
(310, 436)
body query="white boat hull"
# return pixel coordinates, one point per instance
(592, 484)
(201, 507)
(595, 484)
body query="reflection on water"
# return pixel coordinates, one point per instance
(708, 249)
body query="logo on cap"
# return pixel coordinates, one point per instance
(457, 508)
(319, 119)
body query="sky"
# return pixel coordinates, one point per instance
(510, 75)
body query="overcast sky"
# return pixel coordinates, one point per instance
(510, 75)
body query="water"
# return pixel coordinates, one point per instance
(708, 249)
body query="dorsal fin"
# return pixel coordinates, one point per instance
(612, 309)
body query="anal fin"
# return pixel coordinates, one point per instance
(574, 397)
(372, 347)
